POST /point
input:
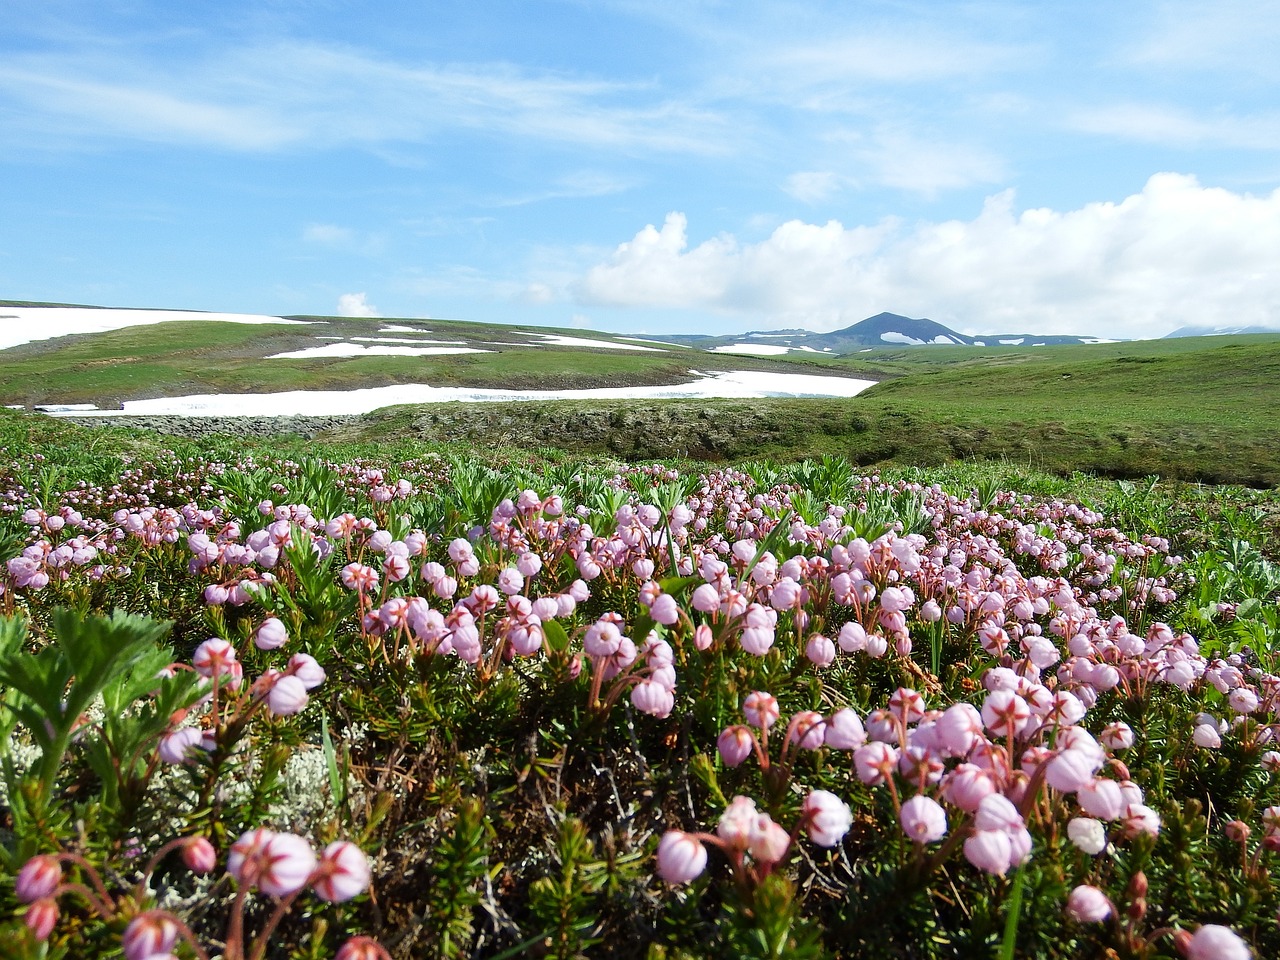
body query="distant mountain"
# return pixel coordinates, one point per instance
(882, 330)
(1218, 331)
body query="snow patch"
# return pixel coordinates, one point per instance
(732, 384)
(332, 350)
(560, 340)
(19, 325)
(751, 349)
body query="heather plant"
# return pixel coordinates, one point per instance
(785, 711)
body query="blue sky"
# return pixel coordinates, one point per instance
(1090, 167)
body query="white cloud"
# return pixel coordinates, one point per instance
(1170, 126)
(292, 94)
(1176, 253)
(896, 157)
(812, 186)
(356, 305)
(1232, 35)
(327, 234)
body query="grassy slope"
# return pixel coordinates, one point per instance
(1191, 408)
(1196, 412)
(168, 359)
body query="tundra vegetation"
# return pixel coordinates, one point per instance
(301, 699)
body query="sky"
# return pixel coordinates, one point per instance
(641, 166)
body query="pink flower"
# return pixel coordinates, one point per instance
(1214, 942)
(852, 638)
(288, 862)
(820, 651)
(343, 872)
(278, 863)
(288, 696)
(706, 598)
(761, 709)
(874, 762)
(361, 948)
(923, 819)
(305, 668)
(1072, 769)
(214, 657)
(199, 855)
(737, 822)
(41, 917)
(735, 744)
(665, 610)
(827, 818)
(1089, 835)
(989, 850)
(271, 634)
(808, 730)
(967, 785)
(38, 878)
(1102, 798)
(959, 729)
(1088, 904)
(681, 857)
(1206, 735)
(1117, 736)
(997, 812)
(769, 841)
(356, 576)
(148, 934)
(1004, 710)
(756, 641)
(1140, 818)
(845, 731)
(177, 746)
(652, 698)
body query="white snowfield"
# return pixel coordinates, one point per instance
(19, 325)
(344, 349)
(561, 340)
(752, 349)
(739, 384)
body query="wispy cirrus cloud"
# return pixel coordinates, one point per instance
(296, 95)
(1179, 127)
(1239, 36)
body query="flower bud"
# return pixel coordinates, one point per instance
(38, 878)
(361, 948)
(1237, 831)
(41, 917)
(199, 855)
(271, 635)
(148, 935)
(681, 857)
(343, 872)
(1088, 904)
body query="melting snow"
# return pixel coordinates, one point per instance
(733, 384)
(456, 343)
(19, 325)
(331, 350)
(560, 340)
(751, 349)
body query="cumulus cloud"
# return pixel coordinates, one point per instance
(356, 305)
(1175, 253)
